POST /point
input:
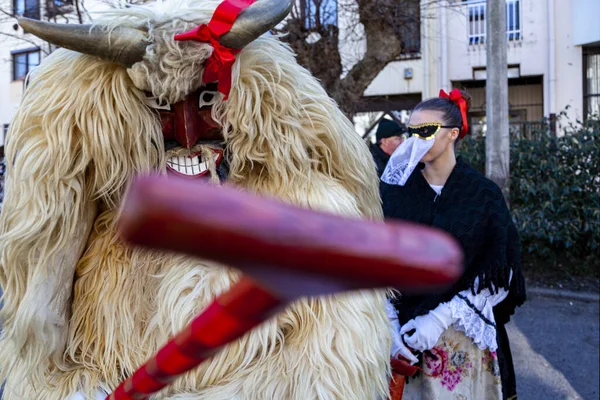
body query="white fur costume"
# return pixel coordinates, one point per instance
(83, 311)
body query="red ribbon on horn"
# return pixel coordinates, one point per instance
(219, 65)
(456, 97)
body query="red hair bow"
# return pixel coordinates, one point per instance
(218, 66)
(456, 97)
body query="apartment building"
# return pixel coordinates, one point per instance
(553, 60)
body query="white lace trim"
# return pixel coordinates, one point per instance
(394, 328)
(469, 322)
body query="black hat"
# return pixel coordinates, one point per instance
(388, 128)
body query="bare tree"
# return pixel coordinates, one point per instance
(58, 11)
(380, 30)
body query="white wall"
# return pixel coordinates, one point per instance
(531, 53)
(391, 80)
(569, 68)
(586, 21)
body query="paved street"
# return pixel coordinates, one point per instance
(555, 345)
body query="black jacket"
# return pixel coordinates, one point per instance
(472, 209)
(380, 157)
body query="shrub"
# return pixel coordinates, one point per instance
(554, 195)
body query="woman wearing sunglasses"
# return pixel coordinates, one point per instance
(459, 335)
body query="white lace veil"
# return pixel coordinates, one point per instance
(404, 160)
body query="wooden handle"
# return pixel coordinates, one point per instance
(397, 384)
(263, 237)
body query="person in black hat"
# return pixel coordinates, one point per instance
(389, 137)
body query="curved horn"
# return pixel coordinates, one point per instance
(122, 45)
(255, 20)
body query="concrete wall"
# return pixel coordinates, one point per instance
(392, 79)
(531, 53)
(569, 59)
(585, 19)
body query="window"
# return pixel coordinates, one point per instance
(318, 13)
(407, 17)
(62, 3)
(476, 10)
(591, 81)
(58, 7)
(23, 61)
(27, 8)
(476, 23)
(513, 20)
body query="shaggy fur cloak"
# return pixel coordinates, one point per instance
(82, 310)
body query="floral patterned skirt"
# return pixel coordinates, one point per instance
(460, 371)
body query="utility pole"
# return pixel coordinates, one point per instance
(497, 142)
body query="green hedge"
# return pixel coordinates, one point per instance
(554, 195)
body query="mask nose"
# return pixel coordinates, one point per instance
(187, 124)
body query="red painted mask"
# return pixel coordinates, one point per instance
(192, 138)
(187, 122)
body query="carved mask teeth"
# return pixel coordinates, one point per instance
(189, 165)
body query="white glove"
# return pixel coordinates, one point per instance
(398, 346)
(400, 349)
(428, 328)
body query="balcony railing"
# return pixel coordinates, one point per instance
(477, 24)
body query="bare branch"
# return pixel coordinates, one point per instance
(78, 11)
(346, 44)
(24, 39)
(66, 11)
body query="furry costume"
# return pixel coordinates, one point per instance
(82, 310)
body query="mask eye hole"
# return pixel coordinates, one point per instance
(155, 103)
(207, 98)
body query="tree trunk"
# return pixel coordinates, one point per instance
(380, 19)
(497, 143)
(384, 23)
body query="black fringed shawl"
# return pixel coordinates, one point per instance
(472, 209)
